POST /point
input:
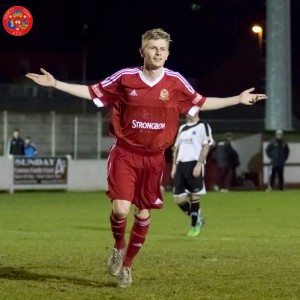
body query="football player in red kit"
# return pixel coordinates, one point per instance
(146, 103)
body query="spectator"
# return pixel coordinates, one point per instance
(30, 149)
(16, 144)
(278, 152)
(234, 160)
(227, 160)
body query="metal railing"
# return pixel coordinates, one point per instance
(80, 136)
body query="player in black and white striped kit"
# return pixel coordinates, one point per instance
(189, 155)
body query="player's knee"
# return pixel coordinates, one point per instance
(143, 213)
(121, 209)
(195, 198)
(120, 213)
(180, 200)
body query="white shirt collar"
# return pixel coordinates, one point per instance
(149, 82)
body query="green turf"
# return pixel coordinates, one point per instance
(54, 246)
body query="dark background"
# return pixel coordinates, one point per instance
(213, 45)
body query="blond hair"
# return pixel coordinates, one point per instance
(155, 34)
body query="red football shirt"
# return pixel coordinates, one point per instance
(145, 114)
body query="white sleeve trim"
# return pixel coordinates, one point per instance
(192, 112)
(98, 102)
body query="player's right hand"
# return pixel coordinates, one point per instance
(45, 79)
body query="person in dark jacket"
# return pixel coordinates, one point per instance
(278, 152)
(16, 145)
(30, 149)
(227, 161)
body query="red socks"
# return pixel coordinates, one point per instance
(118, 227)
(137, 238)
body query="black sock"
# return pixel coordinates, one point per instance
(185, 207)
(194, 213)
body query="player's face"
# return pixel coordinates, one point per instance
(16, 134)
(155, 53)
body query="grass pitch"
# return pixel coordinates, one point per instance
(54, 246)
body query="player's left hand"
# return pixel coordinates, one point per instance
(44, 79)
(197, 170)
(174, 167)
(247, 98)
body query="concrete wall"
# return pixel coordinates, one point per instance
(253, 158)
(83, 175)
(89, 175)
(249, 150)
(58, 134)
(6, 173)
(292, 168)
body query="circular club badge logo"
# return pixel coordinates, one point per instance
(17, 20)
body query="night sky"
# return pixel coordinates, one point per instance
(212, 40)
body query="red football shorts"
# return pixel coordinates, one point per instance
(135, 177)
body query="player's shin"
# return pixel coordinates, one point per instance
(195, 206)
(183, 204)
(118, 227)
(137, 238)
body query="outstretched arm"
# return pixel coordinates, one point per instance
(246, 98)
(46, 79)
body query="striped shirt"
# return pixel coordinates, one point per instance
(145, 114)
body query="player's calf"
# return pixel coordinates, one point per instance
(195, 206)
(183, 203)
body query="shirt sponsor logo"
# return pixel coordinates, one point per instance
(148, 125)
(164, 95)
(187, 141)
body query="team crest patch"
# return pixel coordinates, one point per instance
(17, 20)
(164, 95)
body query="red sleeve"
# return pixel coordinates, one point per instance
(189, 100)
(106, 92)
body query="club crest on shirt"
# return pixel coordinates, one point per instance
(164, 95)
